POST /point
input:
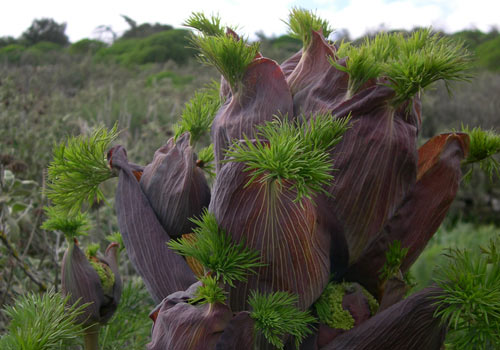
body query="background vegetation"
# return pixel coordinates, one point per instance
(51, 88)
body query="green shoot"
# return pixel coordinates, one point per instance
(198, 114)
(276, 315)
(470, 302)
(423, 59)
(229, 56)
(302, 22)
(324, 131)
(483, 146)
(78, 168)
(209, 292)
(206, 158)
(393, 260)
(71, 225)
(92, 250)
(42, 322)
(116, 237)
(215, 250)
(200, 22)
(288, 154)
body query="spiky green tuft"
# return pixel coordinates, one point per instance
(106, 275)
(423, 59)
(209, 292)
(42, 322)
(92, 250)
(78, 168)
(483, 146)
(393, 260)
(206, 158)
(291, 151)
(208, 26)
(116, 237)
(71, 225)
(470, 302)
(409, 63)
(276, 315)
(302, 22)
(198, 114)
(230, 56)
(213, 248)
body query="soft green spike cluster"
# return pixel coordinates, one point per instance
(409, 64)
(71, 225)
(483, 146)
(302, 22)
(78, 168)
(393, 260)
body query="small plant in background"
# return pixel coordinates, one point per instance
(43, 322)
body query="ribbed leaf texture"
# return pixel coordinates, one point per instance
(422, 210)
(162, 270)
(262, 94)
(175, 187)
(293, 246)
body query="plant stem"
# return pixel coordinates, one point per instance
(91, 337)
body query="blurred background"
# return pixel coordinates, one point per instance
(66, 70)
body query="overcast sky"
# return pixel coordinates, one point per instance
(358, 16)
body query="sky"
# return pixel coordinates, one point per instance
(357, 16)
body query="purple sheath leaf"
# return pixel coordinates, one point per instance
(182, 326)
(315, 84)
(162, 270)
(287, 235)
(421, 212)
(82, 283)
(395, 290)
(262, 94)
(238, 334)
(408, 325)
(377, 165)
(175, 187)
(111, 259)
(289, 65)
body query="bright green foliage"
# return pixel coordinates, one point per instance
(228, 55)
(106, 275)
(42, 322)
(423, 59)
(410, 64)
(92, 250)
(470, 302)
(78, 168)
(71, 225)
(302, 22)
(372, 302)
(207, 26)
(483, 146)
(116, 237)
(393, 260)
(324, 131)
(209, 292)
(198, 114)
(294, 152)
(206, 156)
(276, 315)
(214, 249)
(329, 307)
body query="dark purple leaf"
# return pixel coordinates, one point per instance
(162, 270)
(175, 187)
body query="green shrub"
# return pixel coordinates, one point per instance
(12, 53)
(86, 46)
(488, 54)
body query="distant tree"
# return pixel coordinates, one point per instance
(6, 41)
(46, 29)
(143, 30)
